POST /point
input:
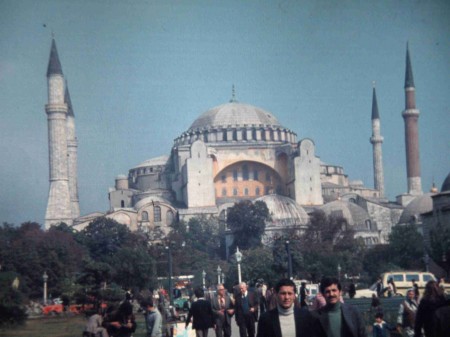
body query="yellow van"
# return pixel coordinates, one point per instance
(403, 280)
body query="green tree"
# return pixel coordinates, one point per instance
(440, 244)
(377, 260)
(328, 242)
(406, 247)
(116, 255)
(247, 222)
(31, 251)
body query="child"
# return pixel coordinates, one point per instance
(380, 327)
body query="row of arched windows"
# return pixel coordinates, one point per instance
(246, 175)
(157, 215)
(246, 191)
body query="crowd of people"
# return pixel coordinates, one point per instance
(279, 312)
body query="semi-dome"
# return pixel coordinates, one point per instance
(354, 214)
(446, 185)
(234, 113)
(151, 200)
(157, 161)
(284, 211)
(419, 205)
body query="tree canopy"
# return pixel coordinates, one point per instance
(247, 222)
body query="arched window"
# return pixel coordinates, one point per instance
(235, 191)
(257, 191)
(144, 216)
(122, 203)
(157, 214)
(244, 172)
(169, 217)
(224, 192)
(246, 191)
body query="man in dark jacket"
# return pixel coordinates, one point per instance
(338, 319)
(223, 310)
(246, 311)
(287, 319)
(202, 313)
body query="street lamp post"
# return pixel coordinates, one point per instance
(238, 260)
(169, 253)
(427, 262)
(219, 273)
(288, 252)
(203, 278)
(339, 271)
(45, 278)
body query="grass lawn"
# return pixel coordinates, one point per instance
(60, 326)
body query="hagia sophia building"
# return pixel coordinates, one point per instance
(235, 152)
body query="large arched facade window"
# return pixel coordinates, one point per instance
(249, 180)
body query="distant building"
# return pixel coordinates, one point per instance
(232, 152)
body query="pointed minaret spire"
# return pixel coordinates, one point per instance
(233, 95)
(411, 119)
(376, 140)
(54, 66)
(375, 114)
(409, 79)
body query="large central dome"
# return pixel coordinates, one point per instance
(236, 114)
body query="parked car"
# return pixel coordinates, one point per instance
(365, 293)
(181, 303)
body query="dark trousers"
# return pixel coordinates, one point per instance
(223, 329)
(201, 332)
(247, 327)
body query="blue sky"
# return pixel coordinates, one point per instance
(140, 72)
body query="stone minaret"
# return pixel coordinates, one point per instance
(58, 207)
(72, 149)
(411, 117)
(376, 141)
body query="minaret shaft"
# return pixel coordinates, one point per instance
(377, 140)
(411, 119)
(58, 206)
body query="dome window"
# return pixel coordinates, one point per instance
(245, 172)
(157, 214)
(169, 217)
(255, 175)
(144, 216)
(235, 175)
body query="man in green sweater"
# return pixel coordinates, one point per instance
(336, 318)
(287, 319)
